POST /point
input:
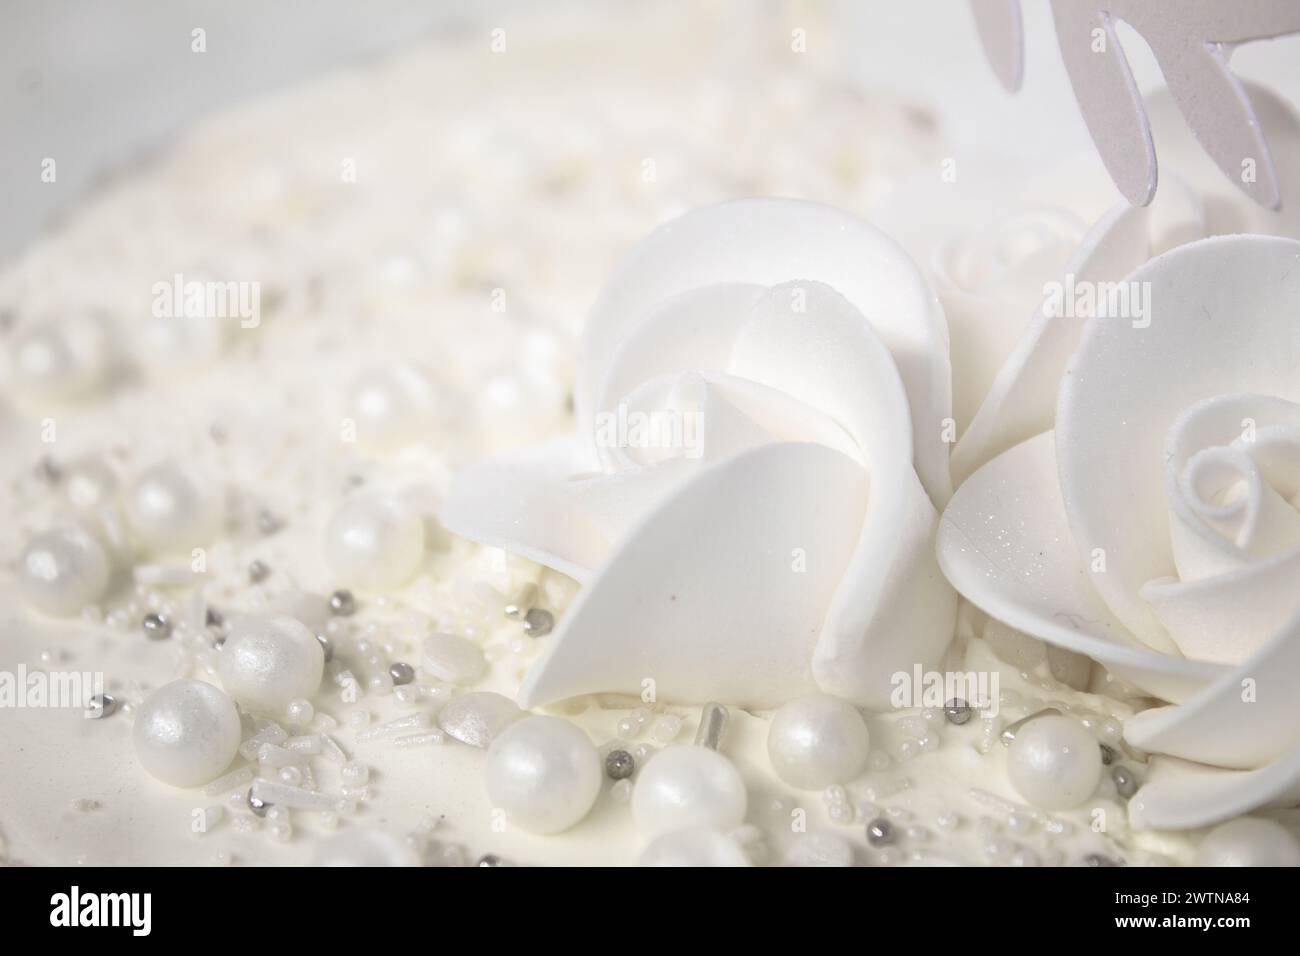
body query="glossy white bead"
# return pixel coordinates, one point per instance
(688, 786)
(374, 541)
(696, 846)
(1249, 841)
(62, 359)
(88, 483)
(392, 404)
(169, 509)
(544, 773)
(269, 660)
(186, 733)
(62, 570)
(1054, 762)
(362, 846)
(816, 741)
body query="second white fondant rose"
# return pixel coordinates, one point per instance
(750, 497)
(1156, 528)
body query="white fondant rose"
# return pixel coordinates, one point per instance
(1005, 245)
(1156, 528)
(750, 496)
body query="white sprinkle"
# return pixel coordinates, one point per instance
(300, 798)
(306, 744)
(231, 781)
(421, 740)
(396, 727)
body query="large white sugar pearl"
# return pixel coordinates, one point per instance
(544, 773)
(62, 359)
(374, 541)
(62, 570)
(1248, 841)
(688, 786)
(392, 404)
(816, 741)
(362, 846)
(269, 660)
(170, 509)
(186, 733)
(1054, 762)
(696, 846)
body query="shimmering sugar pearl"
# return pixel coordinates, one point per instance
(816, 741)
(392, 404)
(62, 570)
(1054, 762)
(186, 733)
(374, 541)
(170, 509)
(688, 786)
(544, 773)
(62, 359)
(1248, 841)
(270, 660)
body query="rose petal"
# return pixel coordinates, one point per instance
(1246, 718)
(1021, 401)
(1221, 309)
(1181, 796)
(893, 610)
(703, 597)
(1004, 543)
(767, 242)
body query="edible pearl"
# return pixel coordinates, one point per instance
(62, 360)
(697, 846)
(1249, 841)
(374, 541)
(360, 846)
(63, 570)
(88, 483)
(544, 773)
(818, 740)
(688, 786)
(1054, 762)
(268, 661)
(392, 404)
(169, 510)
(186, 733)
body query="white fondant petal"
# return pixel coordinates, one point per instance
(524, 501)
(1181, 795)
(893, 608)
(705, 597)
(1217, 307)
(767, 242)
(1021, 402)
(1248, 717)
(1004, 543)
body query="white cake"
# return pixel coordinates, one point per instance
(424, 239)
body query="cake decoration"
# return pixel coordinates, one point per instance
(1192, 40)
